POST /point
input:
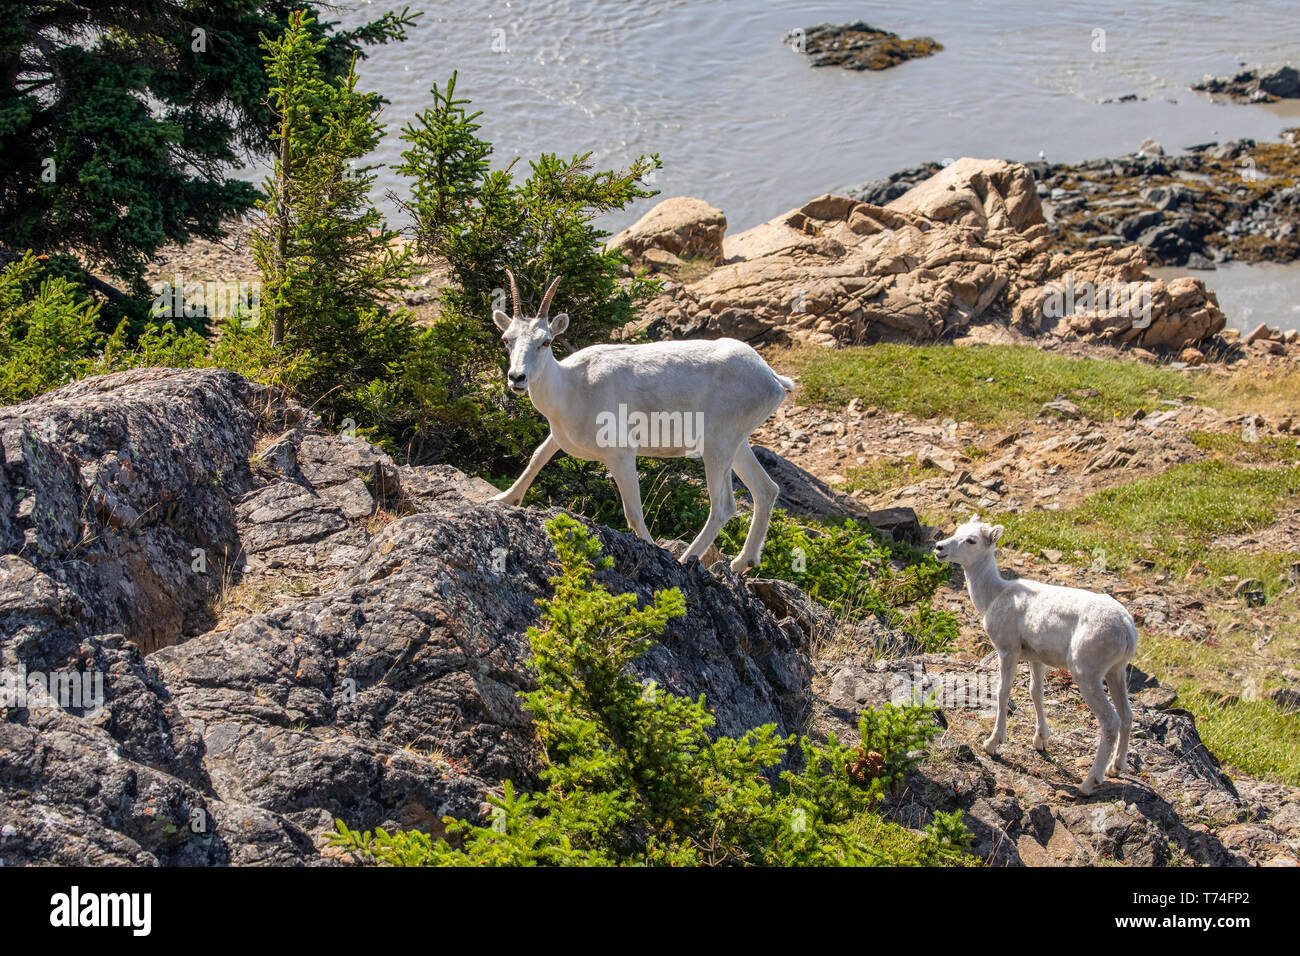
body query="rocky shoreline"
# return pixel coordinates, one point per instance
(1214, 203)
(969, 245)
(1058, 252)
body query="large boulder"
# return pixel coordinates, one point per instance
(967, 244)
(805, 495)
(352, 647)
(1106, 294)
(682, 228)
(123, 489)
(991, 195)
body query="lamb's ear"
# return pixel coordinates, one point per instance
(559, 323)
(500, 319)
(994, 534)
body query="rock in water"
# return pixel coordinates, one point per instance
(271, 650)
(1255, 86)
(858, 46)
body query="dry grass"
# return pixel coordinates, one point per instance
(1276, 396)
(254, 594)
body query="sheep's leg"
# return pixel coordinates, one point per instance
(1094, 695)
(544, 453)
(764, 491)
(1117, 683)
(722, 502)
(1005, 680)
(623, 468)
(1037, 672)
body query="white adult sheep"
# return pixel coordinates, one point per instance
(1089, 634)
(611, 403)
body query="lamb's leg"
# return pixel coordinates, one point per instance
(544, 453)
(764, 491)
(1037, 673)
(623, 468)
(1094, 695)
(722, 501)
(1005, 680)
(1117, 683)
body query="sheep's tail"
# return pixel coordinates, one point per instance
(785, 383)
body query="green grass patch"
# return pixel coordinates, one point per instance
(1269, 449)
(1255, 737)
(988, 384)
(885, 473)
(1169, 519)
(1225, 682)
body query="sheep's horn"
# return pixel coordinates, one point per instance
(546, 299)
(514, 294)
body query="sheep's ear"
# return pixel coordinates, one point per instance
(994, 533)
(501, 320)
(560, 323)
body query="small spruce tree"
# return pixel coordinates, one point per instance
(330, 265)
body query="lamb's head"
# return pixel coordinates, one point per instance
(528, 337)
(970, 542)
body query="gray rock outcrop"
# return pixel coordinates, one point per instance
(351, 647)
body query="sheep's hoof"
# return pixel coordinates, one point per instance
(991, 746)
(1040, 741)
(1089, 786)
(740, 565)
(503, 498)
(1114, 770)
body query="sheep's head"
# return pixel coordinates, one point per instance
(969, 542)
(528, 337)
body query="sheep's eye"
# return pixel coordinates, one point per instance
(970, 540)
(546, 344)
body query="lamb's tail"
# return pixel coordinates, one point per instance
(1132, 638)
(785, 383)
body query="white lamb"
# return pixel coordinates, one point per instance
(1089, 634)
